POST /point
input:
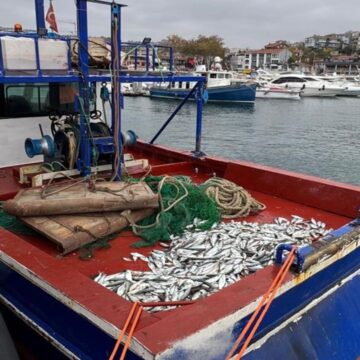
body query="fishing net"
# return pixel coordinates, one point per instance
(181, 202)
(13, 224)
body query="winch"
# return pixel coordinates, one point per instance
(64, 145)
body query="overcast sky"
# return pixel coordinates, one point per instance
(251, 23)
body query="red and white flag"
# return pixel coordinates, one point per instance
(50, 18)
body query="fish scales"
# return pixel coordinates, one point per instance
(199, 263)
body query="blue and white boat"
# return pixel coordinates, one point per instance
(222, 86)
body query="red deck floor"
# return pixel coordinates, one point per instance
(284, 194)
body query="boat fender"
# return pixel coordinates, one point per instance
(205, 96)
(323, 87)
(303, 87)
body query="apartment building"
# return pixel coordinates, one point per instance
(270, 58)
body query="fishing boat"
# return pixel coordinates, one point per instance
(222, 86)
(57, 308)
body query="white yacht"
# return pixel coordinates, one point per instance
(308, 85)
(352, 88)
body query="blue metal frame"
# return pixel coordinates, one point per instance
(303, 252)
(135, 46)
(85, 79)
(84, 162)
(116, 81)
(167, 122)
(39, 10)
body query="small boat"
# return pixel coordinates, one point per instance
(222, 86)
(351, 88)
(276, 92)
(234, 93)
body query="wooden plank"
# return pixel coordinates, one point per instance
(69, 232)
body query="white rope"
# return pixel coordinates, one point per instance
(232, 200)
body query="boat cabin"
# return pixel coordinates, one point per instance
(37, 99)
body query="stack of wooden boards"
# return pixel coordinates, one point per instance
(74, 214)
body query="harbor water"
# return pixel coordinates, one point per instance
(313, 136)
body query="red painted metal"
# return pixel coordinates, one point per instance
(167, 303)
(284, 193)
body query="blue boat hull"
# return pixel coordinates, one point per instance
(232, 94)
(328, 321)
(327, 331)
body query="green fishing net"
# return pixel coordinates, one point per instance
(12, 224)
(174, 221)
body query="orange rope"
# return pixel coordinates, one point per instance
(122, 333)
(269, 296)
(135, 322)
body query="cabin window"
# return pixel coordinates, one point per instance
(180, 84)
(280, 81)
(26, 100)
(296, 79)
(173, 84)
(221, 76)
(227, 76)
(187, 85)
(212, 76)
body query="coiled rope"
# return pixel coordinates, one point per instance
(163, 208)
(232, 200)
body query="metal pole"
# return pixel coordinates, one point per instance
(199, 109)
(116, 93)
(40, 20)
(166, 123)
(84, 88)
(171, 59)
(153, 58)
(136, 58)
(147, 57)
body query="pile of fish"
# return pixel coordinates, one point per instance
(200, 263)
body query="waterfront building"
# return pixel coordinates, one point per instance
(268, 58)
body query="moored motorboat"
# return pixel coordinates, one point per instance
(308, 85)
(351, 88)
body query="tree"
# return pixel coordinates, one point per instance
(205, 46)
(175, 41)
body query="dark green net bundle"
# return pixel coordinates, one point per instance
(189, 202)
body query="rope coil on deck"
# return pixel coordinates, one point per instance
(232, 200)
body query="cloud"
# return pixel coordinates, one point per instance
(241, 23)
